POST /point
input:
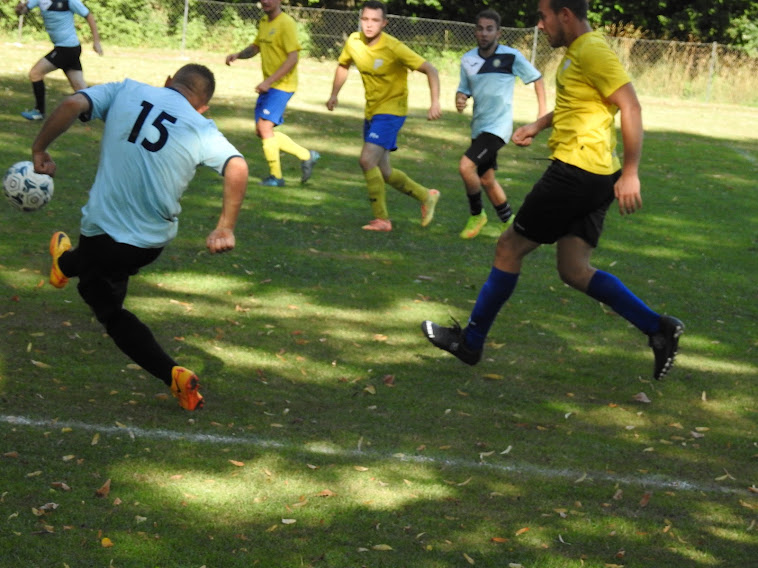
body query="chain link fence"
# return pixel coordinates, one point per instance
(697, 71)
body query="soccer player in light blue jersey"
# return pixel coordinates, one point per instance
(488, 74)
(153, 141)
(58, 16)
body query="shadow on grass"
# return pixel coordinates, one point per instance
(291, 329)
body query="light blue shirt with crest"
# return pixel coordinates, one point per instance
(490, 82)
(152, 143)
(58, 16)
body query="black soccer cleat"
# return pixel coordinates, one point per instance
(452, 340)
(665, 343)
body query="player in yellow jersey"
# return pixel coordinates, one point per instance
(383, 62)
(568, 204)
(280, 50)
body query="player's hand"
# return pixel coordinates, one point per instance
(331, 104)
(232, 57)
(434, 111)
(627, 190)
(98, 48)
(220, 240)
(524, 135)
(262, 87)
(43, 163)
(460, 102)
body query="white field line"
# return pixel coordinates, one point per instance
(522, 468)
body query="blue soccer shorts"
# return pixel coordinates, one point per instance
(382, 130)
(271, 105)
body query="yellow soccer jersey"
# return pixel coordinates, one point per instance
(584, 131)
(276, 39)
(384, 71)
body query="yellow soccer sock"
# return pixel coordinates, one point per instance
(401, 182)
(286, 144)
(376, 195)
(271, 153)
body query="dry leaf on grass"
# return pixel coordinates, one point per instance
(106, 542)
(381, 547)
(237, 463)
(104, 490)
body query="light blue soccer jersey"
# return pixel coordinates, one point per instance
(58, 16)
(152, 143)
(490, 82)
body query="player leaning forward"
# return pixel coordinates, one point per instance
(154, 138)
(568, 204)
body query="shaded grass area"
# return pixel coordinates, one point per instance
(335, 411)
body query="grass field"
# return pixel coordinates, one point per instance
(334, 435)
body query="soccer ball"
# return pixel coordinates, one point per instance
(25, 189)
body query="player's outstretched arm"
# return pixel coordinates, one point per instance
(340, 76)
(95, 34)
(250, 51)
(627, 187)
(222, 239)
(56, 124)
(435, 111)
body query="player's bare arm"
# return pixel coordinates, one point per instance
(250, 51)
(539, 91)
(340, 76)
(460, 101)
(222, 238)
(95, 34)
(627, 188)
(57, 123)
(435, 111)
(524, 135)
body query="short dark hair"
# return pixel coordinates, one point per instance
(578, 7)
(488, 14)
(198, 79)
(375, 5)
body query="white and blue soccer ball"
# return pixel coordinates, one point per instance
(25, 189)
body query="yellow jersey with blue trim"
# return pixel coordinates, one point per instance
(276, 39)
(584, 129)
(384, 70)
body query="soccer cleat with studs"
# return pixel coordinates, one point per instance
(32, 114)
(272, 181)
(665, 343)
(185, 386)
(451, 339)
(427, 207)
(59, 243)
(306, 166)
(474, 224)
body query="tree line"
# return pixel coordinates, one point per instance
(733, 22)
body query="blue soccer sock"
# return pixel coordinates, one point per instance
(606, 288)
(494, 293)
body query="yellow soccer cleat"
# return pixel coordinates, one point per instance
(59, 243)
(474, 224)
